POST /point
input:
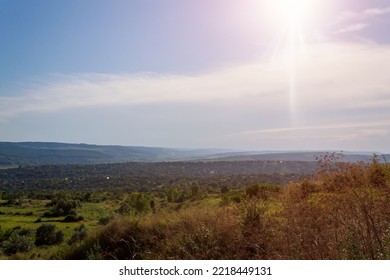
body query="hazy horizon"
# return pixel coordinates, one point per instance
(252, 75)
(216, 149)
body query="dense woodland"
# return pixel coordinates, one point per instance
(196, 210)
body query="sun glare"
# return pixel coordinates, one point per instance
(292, 11)
(291, 17)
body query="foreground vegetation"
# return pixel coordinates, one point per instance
(341, 212)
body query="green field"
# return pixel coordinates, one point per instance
(30, 215)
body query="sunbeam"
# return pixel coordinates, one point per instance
(291, 16)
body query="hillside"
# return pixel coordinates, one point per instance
(42, 153)
(300, 156)
(39, 153)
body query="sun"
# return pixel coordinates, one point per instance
(291, 19)
(292, 12)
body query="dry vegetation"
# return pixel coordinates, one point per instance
(340, 213)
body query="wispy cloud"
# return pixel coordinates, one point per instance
(352, 28)
(376, 12)
(92, 90)
(342, 92)
(345, 136)
(357, 21)
(364, 127)
(365, 14)
(330, 73)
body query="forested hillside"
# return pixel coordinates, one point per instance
(44, 153)
(196, 210)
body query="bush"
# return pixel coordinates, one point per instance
(18, 230)
(80, 234)
(72, 219)
(224, 189)
(136, 203)
(17, 243)
(262, 191)
(47, 234)
(104, 220)
(62, 207)
(343, 213)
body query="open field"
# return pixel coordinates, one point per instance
(30, 215)
(341, 212)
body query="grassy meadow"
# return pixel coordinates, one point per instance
(341, 212)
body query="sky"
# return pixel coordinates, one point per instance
(245, 75)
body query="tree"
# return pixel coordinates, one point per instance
(63, 207)
(47, 234)
(136, 203)
(173, 194)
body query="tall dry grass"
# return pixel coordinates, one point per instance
(341, 213)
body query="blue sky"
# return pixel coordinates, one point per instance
(197, 73)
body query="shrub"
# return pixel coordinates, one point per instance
(210, 233)
(17, 243)
(224, 189)
(72, 219)
(262, 191)
(62, 207)
(18, 230)
(104, 220)
(80, 234)
(47, 234)
(343, 213)
(136, 203)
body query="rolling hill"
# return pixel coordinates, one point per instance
(40, 153)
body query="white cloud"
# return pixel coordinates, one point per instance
(366, 14)
(376, 12)
(91, 90)
(327, 73)
(352, 28)
(363, 127)
(357, 21)
(342, 92)
(345, 136)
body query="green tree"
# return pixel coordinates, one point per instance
(173, 194)
(136, 203)
(62, 207)
(47, 234)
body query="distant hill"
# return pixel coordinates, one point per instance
(300, 156)
(41, 153)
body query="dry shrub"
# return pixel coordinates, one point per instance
(343, 213)
(205, 233)
(209, 233)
